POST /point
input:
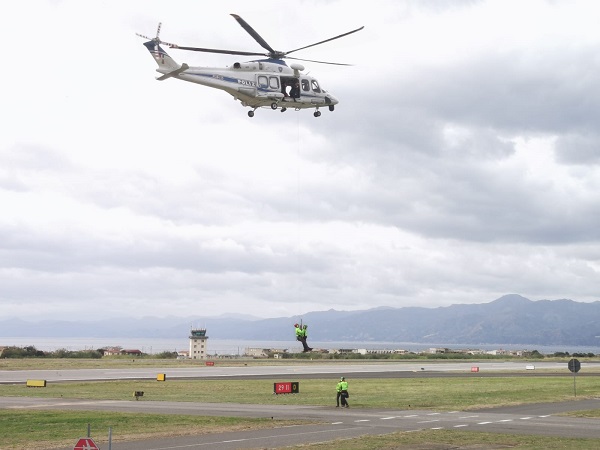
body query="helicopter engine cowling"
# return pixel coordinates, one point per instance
(246, 66)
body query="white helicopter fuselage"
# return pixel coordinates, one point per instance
(265, 83)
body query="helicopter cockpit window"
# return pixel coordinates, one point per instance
(315, 86)
(305, 85)
(263, 82)
(274, 82)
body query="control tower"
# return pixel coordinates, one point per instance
(198, 346)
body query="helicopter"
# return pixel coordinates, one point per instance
(264, 83)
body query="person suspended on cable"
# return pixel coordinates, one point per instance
(301, 336)
(304, 337)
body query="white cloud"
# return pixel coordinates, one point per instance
(459, 166)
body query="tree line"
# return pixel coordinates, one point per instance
(32, 352)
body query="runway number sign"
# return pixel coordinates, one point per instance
(86, 444)
(286, 388)
(574, 367)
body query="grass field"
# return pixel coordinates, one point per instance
(455, 440)
(120, 362)
(405, 393)
(20, 428)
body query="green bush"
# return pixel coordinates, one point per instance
(22, 352)
(165, 355)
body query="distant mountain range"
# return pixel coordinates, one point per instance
(511, 319)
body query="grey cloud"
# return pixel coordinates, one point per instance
(516, 92)
(578, 149)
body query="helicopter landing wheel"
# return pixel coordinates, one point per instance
(273, 105)
(250, 113)
(283, 109)
(331, 107)
(317, 113)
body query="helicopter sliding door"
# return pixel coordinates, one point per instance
(268, 90)
(268, 83)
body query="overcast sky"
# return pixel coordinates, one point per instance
(462, 163)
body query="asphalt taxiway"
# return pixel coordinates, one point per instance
(331, 423)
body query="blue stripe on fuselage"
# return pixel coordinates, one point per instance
(241, 82)
(225, 78)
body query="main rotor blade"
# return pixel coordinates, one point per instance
(214, 50)
(257, 37)
(326, 40)
(319, 62)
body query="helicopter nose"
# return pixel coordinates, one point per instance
(331, 99)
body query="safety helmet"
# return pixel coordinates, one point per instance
(305, 326)
(296, 325)
(342, 379)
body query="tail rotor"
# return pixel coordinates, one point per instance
(156, 39)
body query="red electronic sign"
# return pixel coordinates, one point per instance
(286, 388)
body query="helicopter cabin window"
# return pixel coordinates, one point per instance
(305, 85)
(315, 86)
(263, 82)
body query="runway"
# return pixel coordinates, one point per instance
(316, 370)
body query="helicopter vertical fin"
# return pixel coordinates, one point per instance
(161, 57)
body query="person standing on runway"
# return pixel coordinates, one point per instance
(342, 393)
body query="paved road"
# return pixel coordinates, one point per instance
(335, 423)
(356, 370)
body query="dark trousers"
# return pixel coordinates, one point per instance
(304, 344)
(343, 397)
(337, 398)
